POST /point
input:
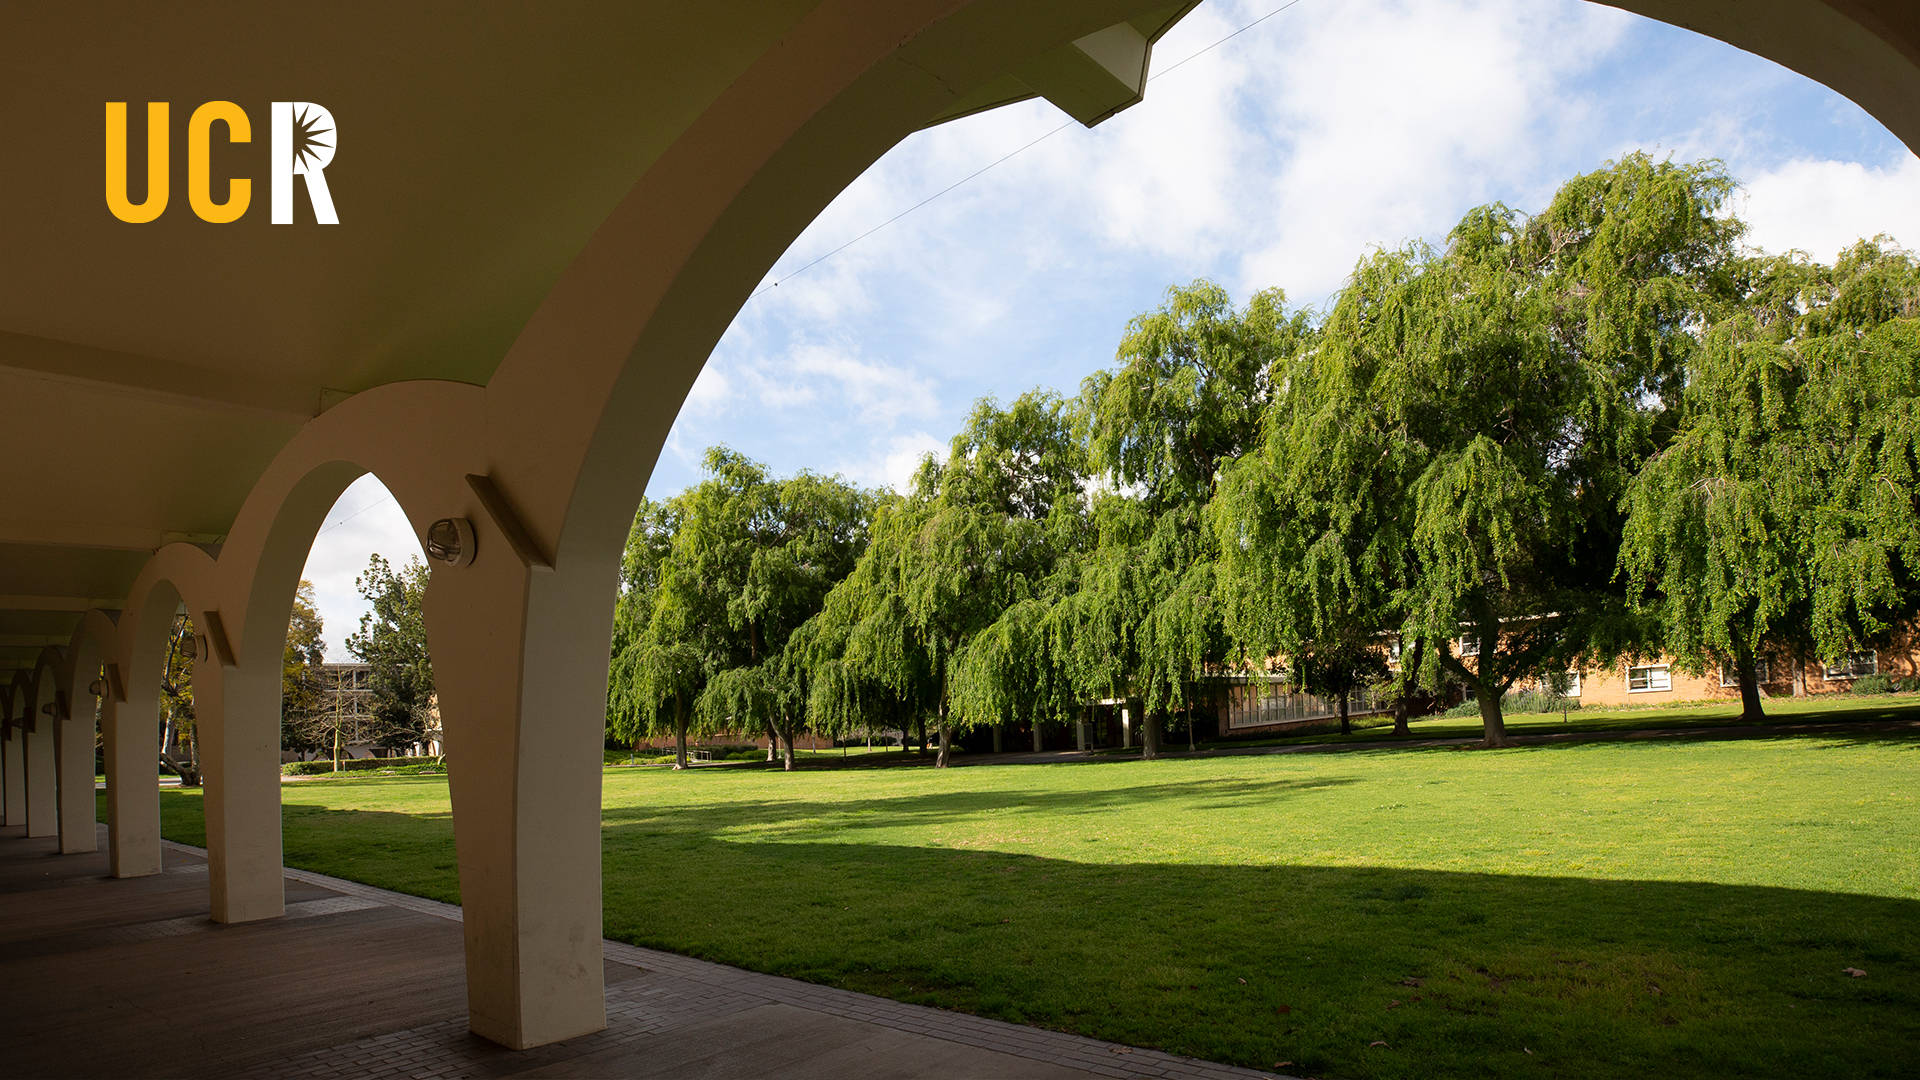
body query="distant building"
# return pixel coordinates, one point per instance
(1654, 680)
(345, 703)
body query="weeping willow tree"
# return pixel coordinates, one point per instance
(736, 696)
(1785, 515)
(974, 539)
(1138, 621)
(652, 680)
(1188, 393)
(651, 687)
(716, 580)
(1449, 457)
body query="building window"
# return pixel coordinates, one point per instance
(1469, 646)
(1854, 665)
(1653, 677)
(1729, 676)
(1393, 649)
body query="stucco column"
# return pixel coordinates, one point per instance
(520, 664)
(43, 796)
(73, 763)
(238, 712)
(131, 745)
(13, 763)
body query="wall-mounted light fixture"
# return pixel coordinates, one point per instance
(450, 540)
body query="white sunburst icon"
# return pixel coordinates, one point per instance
(308, 145)
(304, 142)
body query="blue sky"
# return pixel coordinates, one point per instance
(1274, 159)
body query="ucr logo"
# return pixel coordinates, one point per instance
(303, 146)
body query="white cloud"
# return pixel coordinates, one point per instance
(365, 520)
(1820, 207)
(1392, 118)
(879, 393)
(815, 377)
(895, 463)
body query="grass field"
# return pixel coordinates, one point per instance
(1666, 909)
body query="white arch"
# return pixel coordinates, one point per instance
(82, 662)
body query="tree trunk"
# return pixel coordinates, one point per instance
(1036, 734)
(1190, 746)
(1150, 737)
(1490, 718)
(1409, 672)
(189, 776)
(1750, 709)
(679, 732)
(336, 748)
(787, 749)
(1346, 724)
(920, 725)
(945, 741)
(773, 740)
(996, 738)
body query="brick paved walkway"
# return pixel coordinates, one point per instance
(130, 978)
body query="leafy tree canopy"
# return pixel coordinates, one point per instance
(1446, 461)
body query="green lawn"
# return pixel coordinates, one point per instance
(1701, 715)
(1662, 909)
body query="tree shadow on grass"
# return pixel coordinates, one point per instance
(1341, 971)
(922, 808)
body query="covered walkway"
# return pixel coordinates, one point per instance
(540, 220)
(129, 978)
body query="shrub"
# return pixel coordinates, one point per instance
(1537, 701)
(1524, 701)
(425, 768)
(325, 765)
(1876, 684)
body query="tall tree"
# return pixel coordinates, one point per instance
(178, 727)
(652, 687)
(1782, 517)
(725, 572)
(1448, 460)
(299, 674)
(1192, 383)
(1188, 394)
(975, 538)
(392, 640)
(651, 682)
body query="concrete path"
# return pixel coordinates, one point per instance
(130, 978)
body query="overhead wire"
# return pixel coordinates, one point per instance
(1008, 156)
